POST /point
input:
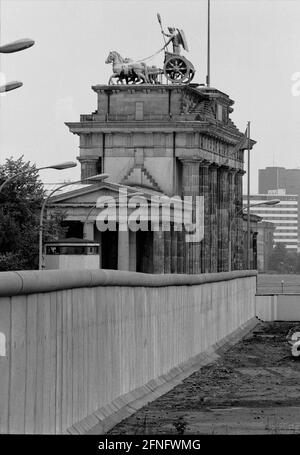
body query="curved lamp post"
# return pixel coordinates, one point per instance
(137, 193)
(59, 167)
(97, 178)
(270, 202)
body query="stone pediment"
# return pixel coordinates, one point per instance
(89, 194)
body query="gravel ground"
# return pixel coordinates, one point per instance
(253, 388)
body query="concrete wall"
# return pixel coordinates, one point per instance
(278, 307)
(72, 342)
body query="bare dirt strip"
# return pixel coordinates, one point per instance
(253, 388)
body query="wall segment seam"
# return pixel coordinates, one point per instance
(22, 281)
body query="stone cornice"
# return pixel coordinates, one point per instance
(198, 90)
(210, 158)
(87, 158)
(229, 135)
(146, 88)
(210, 93)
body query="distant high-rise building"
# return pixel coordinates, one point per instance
(276, 178)
(284, 215)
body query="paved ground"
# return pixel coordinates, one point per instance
(253, 388)
(270, 284)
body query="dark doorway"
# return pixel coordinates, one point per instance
(109, 250)
(144, 251)
(73, 229)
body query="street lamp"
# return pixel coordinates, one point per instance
(16, 46)
(98, 177)
(270, 202)
(58, 167)
(10, 86)
(9, 48)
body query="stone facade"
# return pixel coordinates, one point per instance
(265, 244)
(175, 140)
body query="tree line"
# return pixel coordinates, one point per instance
(20, 205)
(282, 260)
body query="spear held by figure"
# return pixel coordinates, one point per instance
(162, 31)
(176, 36)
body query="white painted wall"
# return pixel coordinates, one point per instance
(72, 261)
(278, 307)
(74, 348)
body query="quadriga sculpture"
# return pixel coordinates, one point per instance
(125, 70)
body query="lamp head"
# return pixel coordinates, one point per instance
(16, 46)
(61, 166)
(272, 202)
(10, 86)
(97, 177)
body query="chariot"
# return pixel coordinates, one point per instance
(178, 69)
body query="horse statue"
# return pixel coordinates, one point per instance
(124, 69)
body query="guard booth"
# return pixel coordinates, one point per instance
(72, 253)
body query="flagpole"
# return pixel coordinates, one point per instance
(248, 201)
(208, 44)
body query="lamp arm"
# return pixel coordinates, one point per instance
(91, 210)
(42, 219)
(10, 179)
(89, 213)
(240, 211)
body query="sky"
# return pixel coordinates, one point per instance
(255, 54)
